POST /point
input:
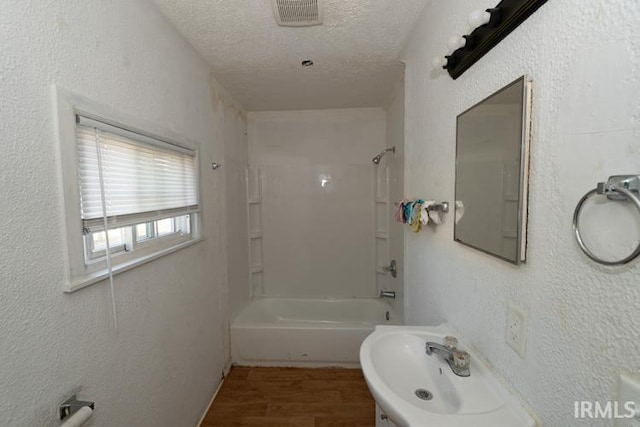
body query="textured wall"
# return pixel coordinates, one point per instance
(317, 200)
(584, 59)
(163, 366)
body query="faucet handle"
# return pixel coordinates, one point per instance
(461, 359)
(450, 342)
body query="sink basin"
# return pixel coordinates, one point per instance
(418, 390)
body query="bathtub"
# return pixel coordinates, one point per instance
(306, 332)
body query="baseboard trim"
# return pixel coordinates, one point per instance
(206, 411)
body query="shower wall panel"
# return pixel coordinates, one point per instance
(318, 197)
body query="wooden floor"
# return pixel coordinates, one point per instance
(292, 397)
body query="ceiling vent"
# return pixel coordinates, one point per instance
(297, 13)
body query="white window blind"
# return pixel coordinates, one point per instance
(144, 178)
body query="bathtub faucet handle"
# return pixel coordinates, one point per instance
(391, 268)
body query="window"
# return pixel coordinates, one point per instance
(141, 189)
(137, 193)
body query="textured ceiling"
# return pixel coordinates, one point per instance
(355, 51)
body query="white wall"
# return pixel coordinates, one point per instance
(164, 364)
(584, 59)
(317, 240)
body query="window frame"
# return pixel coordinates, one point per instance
(132, 248)
(81, 271)
(92, 256)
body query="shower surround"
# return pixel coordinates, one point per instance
(316, 211)
(312, 229)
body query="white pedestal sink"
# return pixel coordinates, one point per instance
(414, 389)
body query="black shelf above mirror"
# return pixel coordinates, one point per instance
(505, 18)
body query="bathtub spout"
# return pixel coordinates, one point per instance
(388, 294)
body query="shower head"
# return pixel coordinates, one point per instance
(376, 159)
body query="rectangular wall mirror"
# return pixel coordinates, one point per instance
(492, 165)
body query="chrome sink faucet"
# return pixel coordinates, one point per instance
(457, 360)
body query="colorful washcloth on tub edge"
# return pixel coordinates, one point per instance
(407, 212)
(399, 214)
(424, 212)
(416, 208)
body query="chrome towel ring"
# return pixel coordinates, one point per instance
(618, 188)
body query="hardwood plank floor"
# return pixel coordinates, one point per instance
(292, 397)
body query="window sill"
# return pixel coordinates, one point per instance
(90, 279)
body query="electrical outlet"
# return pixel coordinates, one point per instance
(516, 335)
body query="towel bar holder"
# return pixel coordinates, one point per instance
(617, 188)
(71, 406)
(438, 207)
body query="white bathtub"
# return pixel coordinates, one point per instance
(306, 332)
